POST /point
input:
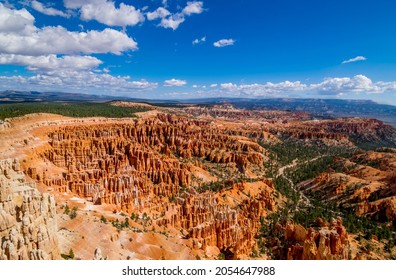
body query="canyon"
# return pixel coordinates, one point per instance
(188, 182)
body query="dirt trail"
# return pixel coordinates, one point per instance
(281, 172)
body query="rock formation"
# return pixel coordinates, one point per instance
(141, 166)
(27, 217)
(210, 221)
(326, 243)
(199, 181)
(132, 166)
(4, 125)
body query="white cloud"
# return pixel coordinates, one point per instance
(193, 8)
(75, 4)
(15, 21)
(357, 84)
(45, 64)
(18, 35)
(158, 13)
(344, 86)
(106, 12)
(8, 4)
(387, 86)
(223, 43)
(213, 85)
(78, 81)
(50, 40)
(38, 6)
(198, 41)
(358, 58)
(263, 89)
(173, 20)
(174, 83)
(54, 55)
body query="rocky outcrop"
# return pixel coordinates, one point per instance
(134, 165)
(326, 243)
(229, 112)
(98, 255)
(146, 167)
(4, 125)
(27, 217)
(210, 221)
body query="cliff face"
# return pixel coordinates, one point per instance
(195, 187)
(329, 242)
(228, 220)
(147, 166)
(27, 218)
(133, 166)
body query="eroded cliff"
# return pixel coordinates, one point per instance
(28, 223)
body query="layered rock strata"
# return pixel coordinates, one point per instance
(132, 166)
(145, 167)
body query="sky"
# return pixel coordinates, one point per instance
(179, 49)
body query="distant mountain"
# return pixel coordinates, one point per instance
(9, 96)
(326, 107)
(12, 96)
(321, 108)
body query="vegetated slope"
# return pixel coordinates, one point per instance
(71, 109)
(362, 187)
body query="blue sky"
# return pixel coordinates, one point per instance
(191, 49)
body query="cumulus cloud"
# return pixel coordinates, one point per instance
(158, 13)
(18, 35)
(173, 20)
(193, 8)
(213, 85)
(15, 21)
(106, 12)
(54, 55)
(75, 4)
(80, 81)
(48, 63)
(38, 6)
(198, 41)
(174, 83)
(224, 43)
(358, 58)
(357, 84)
(49, 40)
(336, 86)
(263, 89)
